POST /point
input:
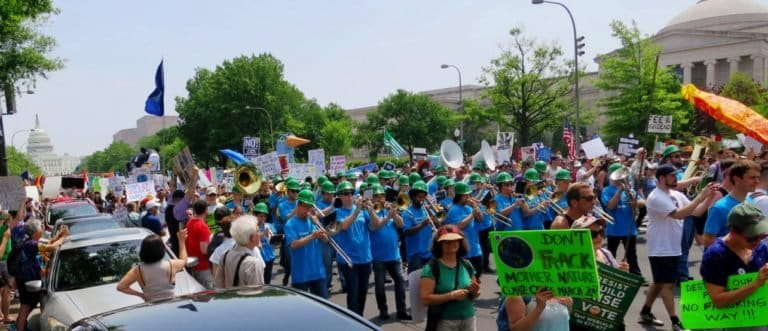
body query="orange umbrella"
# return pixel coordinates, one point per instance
(728, 111)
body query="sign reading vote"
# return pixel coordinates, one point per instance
(698, 311)
(660, 124)
(617, 290)
(561, 260)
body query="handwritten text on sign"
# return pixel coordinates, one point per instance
(660, 124)
(317, 157)
(698, 311)
(617, 290)
(560, 260)
(138, 191)
(12, 192)
(267, 163)
(338, 163)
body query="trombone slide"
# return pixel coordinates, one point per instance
(332, 242)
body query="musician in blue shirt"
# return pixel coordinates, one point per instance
(447, 202)
(560, 204)
(325, 205)
(304, 237)
(535, 208)
(418, 228)
(466, 214)
(619, 200)
(507, 205)
(285, 211)
(354, 239)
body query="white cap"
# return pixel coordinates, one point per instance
(152, 204)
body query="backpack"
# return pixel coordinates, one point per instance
(434, 313)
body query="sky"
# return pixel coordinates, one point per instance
(351, 52)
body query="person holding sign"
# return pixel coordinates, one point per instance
(466, 214)
(742, 250)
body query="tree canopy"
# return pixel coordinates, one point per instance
(18, 162)
(112, 158)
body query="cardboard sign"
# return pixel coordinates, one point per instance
(317, 157)
(750, 144)
(159, 181)
(284, 163)
(116, 185)
(698, 311)
(617, 290)
(528, 153)
(338, 163)
(505, 140)
(12, 192)
(594, 148)
(628, 146)
(31, 192)
(251, 146)
(389, 166)
(52, 187)
(419, 153)
(138, 191)
(184, 166)
(268, 163)
(503, 155)
(660, 124)
(560, 260)
(139, 175)
(300, 171)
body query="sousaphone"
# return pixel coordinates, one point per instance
(450, 154)
(485, 154)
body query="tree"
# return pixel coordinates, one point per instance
(18, 163)
(321, 125)
(527, 87)
(637, 87)
(336, 138)
(112, 158)
(479, 124)
(414, 120)
(239, 98)
(742, 88)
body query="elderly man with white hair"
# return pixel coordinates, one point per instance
(242, 265)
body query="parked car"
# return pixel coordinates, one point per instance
(70, 208)
(265, 307)
(88, 223)
(84, 273)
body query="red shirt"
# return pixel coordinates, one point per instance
(197, 232)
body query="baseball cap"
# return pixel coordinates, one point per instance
(152, 204)
(748, 219)
(666, 170)
(449, 232)
(585, 221)
(211, 190)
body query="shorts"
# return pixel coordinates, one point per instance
(664, 269)
(5, 277)
(28, 298)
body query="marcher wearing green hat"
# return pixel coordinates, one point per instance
(372, 179)
(325, 205)
(508, 205)
(475, 178)
(385, 174)
(462, 188)
(540, 166)
(419, 186)
(441, 181)
(479, 165)
(413, 177)
(563, 175)
(532, 175)
(535, 209)
(613, 167)
(261, 211)
(669, 150)
(418, 227)
(440, 170)
(304, 239)
(449, 187)
(321, 180)
(261, 208)
(292, 185)
(327, 187)
(345, 186)
(404, 184)
(467, 215)
(285, 210)
(305, 186)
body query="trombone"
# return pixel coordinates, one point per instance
(434, 213)
(497, 216)
(553, 198)
(332, 242)
(602, 213)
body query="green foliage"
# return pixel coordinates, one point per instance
(23, 50)
(479, 125)
(327, 127)
(168, 142)
(414, 120)
(742, 88)
(528, 87)
(336, 138)
(18, 162)
(112, 158)
(636, 87)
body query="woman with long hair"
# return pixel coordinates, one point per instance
(155, 275)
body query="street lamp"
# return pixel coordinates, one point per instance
(271, 131)
(461, 98)
(13, 136)
(577, 46)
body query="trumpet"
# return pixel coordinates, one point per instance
(436, 209)
(331, 242)
(403, 201)
(380, 205)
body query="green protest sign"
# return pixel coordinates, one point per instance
(617, 290)
(698, 311)
(560, 260)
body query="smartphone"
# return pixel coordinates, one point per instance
(520, 187)
(368, 194)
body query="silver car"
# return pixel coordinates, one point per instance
(84, 273)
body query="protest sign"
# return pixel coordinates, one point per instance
(267, 163)
(750, 144)
(544, 154)
(139, 175)
(628, 146)
(116, 185)
(560, 260)
(505, 140)
(184, 166)
(138, 191)
(594, 148)
(251, 146)
(228, 181)
(284, 163)
(317, 157)
(419, 153)
(202, 179)
(338, 163)
(11, 192)
(528, 153)
(389, 166)
(503, 155)
(52, 187)
(433, 161)
(698, 311)
(617, 290)
(660, 124)
(159, 181)
(300, 171)
(120, 215)
(31, 192)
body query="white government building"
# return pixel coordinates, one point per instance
(40, 150)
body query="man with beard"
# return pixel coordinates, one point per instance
(667, 208)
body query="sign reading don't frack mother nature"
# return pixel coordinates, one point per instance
(562, 261)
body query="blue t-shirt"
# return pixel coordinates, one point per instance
(243, 204)
(284, 209)
(487, 221)
(516, 215)
(417, 244)
(623, 223)
(562, 203)
(717, 216)
(719, 262)
(152, 223)
(447, 203)
(267, 252)
(536, 220)
(307, 261)
(384, 240)
(457, 214)
(355, 240)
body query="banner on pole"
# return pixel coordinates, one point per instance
(660, 124)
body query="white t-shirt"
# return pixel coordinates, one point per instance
(664, 232)
(589, 180)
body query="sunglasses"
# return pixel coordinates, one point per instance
(588, 198)
(598, 233)
(293, 191)
(345, 193)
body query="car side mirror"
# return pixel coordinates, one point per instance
(34, 286)
(192, 262)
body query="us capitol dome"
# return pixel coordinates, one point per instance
(40, 150)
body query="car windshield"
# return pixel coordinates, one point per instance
(72, 211)
(89, 226)
(94, 265)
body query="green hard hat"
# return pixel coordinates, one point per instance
(413, 178)
(479, 165)
(363, 186)
(475, 178)
(292, 185)
(441, 180)
(462, 188)
(306, 197)
(503, 177)
(449, 183)
(670, 149)
(540, 166)
(385, 174)
(344, 186)
(403, 180)
(339, 174)
(563, 174)
(532, 175)
(305, 186)
(352, 175)
(377, 189)
(327, 187)
(321, 180)
(613, 167)
(439, 169)
(372, 179)
(419, 186)
(261, 208)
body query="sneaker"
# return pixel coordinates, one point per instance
(383, 315)
(649, 319)
(404, 316)
(677, 326)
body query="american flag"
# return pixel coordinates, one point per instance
(568, 138)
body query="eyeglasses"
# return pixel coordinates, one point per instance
(345, 193)
(597, 233)
(588, 198)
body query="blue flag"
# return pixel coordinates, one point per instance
(155, 102)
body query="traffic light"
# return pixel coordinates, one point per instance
(580, 45)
